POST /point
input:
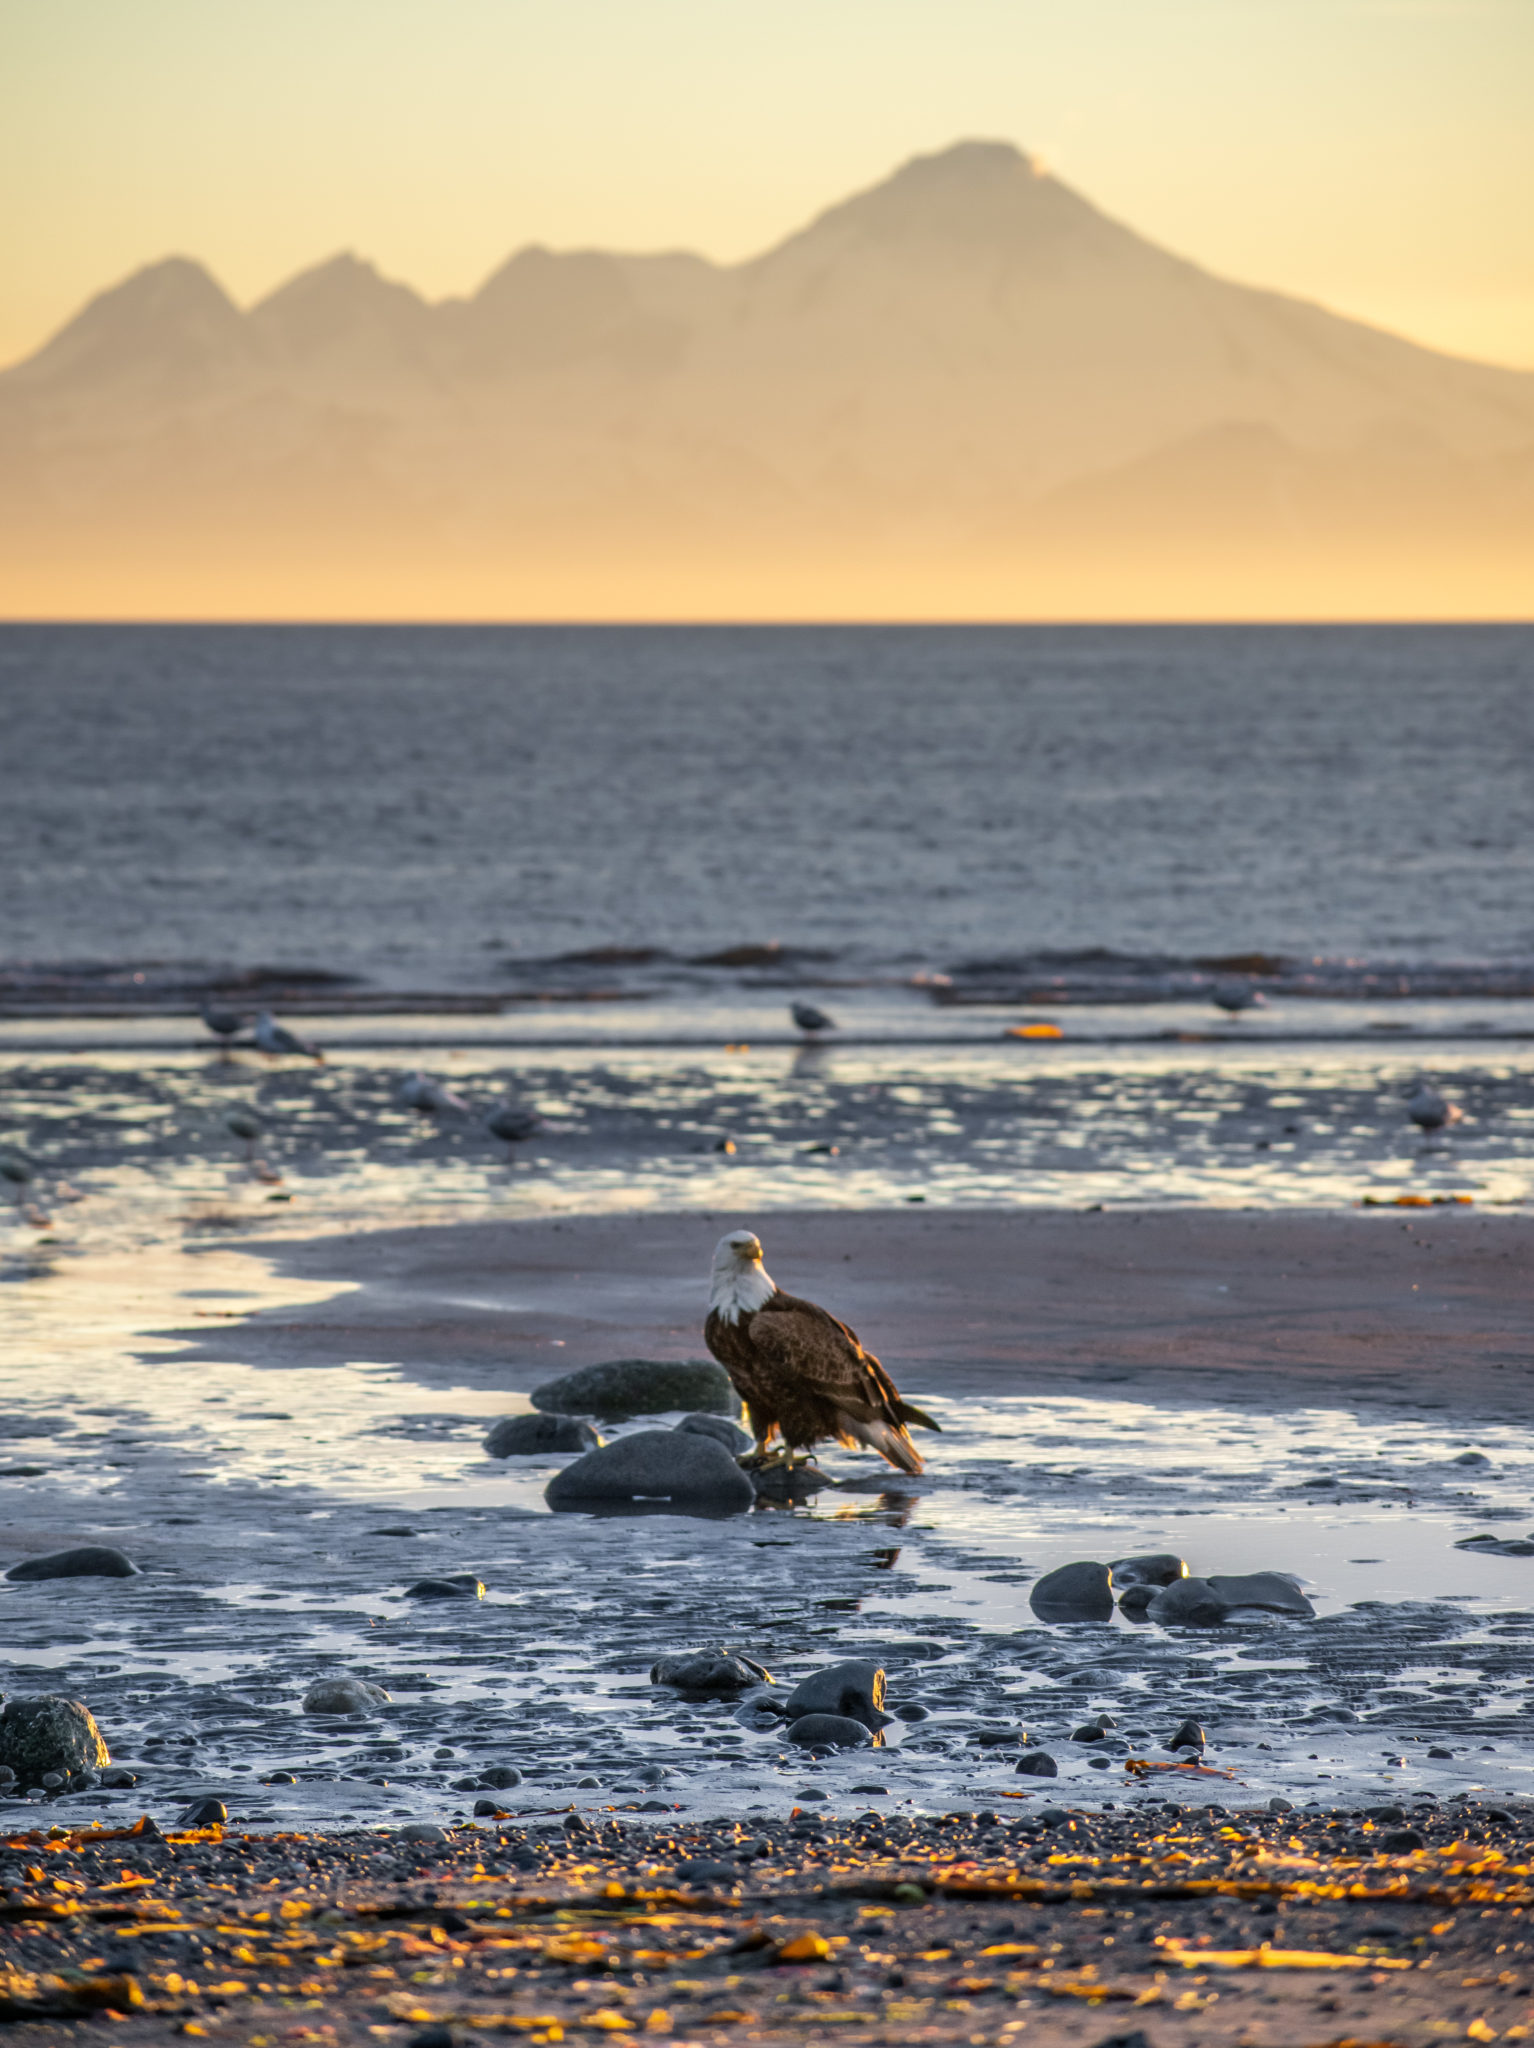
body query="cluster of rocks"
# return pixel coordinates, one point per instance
(839, 1707)
(693, 1466)
(1159, 1588)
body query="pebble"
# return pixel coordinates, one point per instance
(640, 1386)
(655, 1464)
(1186, 1735)
(422, 1831)
(1188, 1603)
(204, 1813)
(854, 1690)
(1037, 1763)
(1075, 1592)
(521, 1436)
(118, 1778)
(829, 1731)
(48, 1733)
(1278, 1592)
(461, 1586)
(86, 1561)
(501, 1777)
(343, 1696)
(713, 1674)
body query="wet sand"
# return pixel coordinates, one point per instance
(1261, 1930)
(1418, 1307)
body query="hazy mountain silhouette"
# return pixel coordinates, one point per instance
(964, 391)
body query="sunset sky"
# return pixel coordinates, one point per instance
(1377, 155)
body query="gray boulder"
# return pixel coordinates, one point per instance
(1037, 1763)
(461, 1586)
(655, 1465)
(1279, 1592)
(1158, 1569)
(853, 1690)
(50, 1736)
(88, 1561)
(1076, 1592)
(344, 1696)
(829, 1731)
(1134, 1600)
(720, 1428)
(524, 1436)
(640, 1386)
(717, 1673)
(1188, 1603)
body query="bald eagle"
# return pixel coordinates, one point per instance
(802, 1375)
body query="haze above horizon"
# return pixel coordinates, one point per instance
(1358, 152)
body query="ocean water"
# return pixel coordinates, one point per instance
(1078, 812)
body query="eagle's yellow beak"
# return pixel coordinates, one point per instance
(752, 1251)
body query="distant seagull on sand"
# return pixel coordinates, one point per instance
(276, 1039)
(420, 1091)
(1429, 1111)
(512, 1125)
(223, 1023)
(246, 1126)
(1235, 996)
(810, 1020)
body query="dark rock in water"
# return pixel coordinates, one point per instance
(344, 1696)
(204, 1813)
(829, 1731)
(486, 1809)
(908, 1710)
(501, 1777)
(717, 1673)
(118, 1779)
(1398, 1841)
(522, 1436)
(461, 1586)
(1158, 1569)
(1090, 1731)
(49, 1733)
(854, 1689)
(1135, 1599)
(1076, 1592)
(640, 1386)
(1037, 1763)
(1186, 1735)
(1188, 1603)
(1279, 1592)
(999, 1738)
(721, 1429)
(1492, 1546)
(655, 1464)
(789, 1487)
(89, 1561)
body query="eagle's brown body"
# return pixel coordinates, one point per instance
(805, 1377)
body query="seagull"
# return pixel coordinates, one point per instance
(1429, 1111)
(276, 1039)
(809, 1019)
(1235, 996)
(222, 1023)
(420, 1091)
(511, 1125)
(247, 1128)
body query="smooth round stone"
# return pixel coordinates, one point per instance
(204, 1813)
(119, 1779)
(655, 1465)
(461, 1586)
(501, 1777)
(710, 1673)
(1186, 1735)
(640, 1386)
(1037, 1763)
(421, 1831)
(854, 1690)
(1188, 1603)
(523, 1436)
(343, 1696)
(1159, 1568)
(829, 1731)
(86, 1561)
(1075, 1592)
(1278, 1592)
(720, 1428)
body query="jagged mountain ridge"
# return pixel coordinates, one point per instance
(966, 367)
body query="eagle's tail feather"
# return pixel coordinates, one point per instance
(889, 1440)
(908, 1413)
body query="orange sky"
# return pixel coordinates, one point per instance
(1375, 154)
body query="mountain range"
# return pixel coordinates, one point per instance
(964, 392)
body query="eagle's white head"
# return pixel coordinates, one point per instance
(739, 1284)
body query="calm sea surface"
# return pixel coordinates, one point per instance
(455, 809)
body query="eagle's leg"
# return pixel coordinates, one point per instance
(759, 1456)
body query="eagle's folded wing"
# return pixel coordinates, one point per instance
(805, 1342)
